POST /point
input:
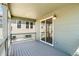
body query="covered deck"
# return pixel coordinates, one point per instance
(33, 48)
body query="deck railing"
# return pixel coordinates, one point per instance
(26, 36)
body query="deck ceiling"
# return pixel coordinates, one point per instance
(33, 10)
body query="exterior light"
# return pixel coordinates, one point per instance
(54, 17)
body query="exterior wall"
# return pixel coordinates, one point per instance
(66, 28)
(23, 28)
(21, 32)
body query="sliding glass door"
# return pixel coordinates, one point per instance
(47, 31)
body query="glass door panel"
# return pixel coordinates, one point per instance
(43, 28)
(49, 30)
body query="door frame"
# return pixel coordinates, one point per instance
(53, 33)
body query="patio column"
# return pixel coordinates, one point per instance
(37, 30)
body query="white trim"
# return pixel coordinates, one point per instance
(46, 18)
(40, 30)
(45, 31)
(46, 43)
(76, 53)
(53, 29)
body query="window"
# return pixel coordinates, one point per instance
(27, 24)
(28, 36)
(1, 24)
(19, 24)
(31, 25)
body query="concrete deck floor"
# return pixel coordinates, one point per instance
(33, 48)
